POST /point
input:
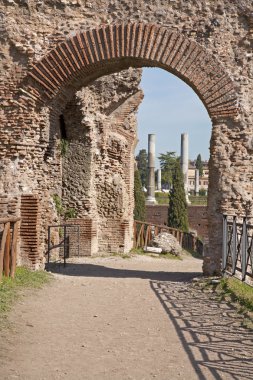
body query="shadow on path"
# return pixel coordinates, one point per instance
(210, 331)
(94, 270)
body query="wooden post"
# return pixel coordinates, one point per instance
(142, 235)
(147, 237)
(139, 238)
(7, 252)
(135, 237)
(2, 249)
(181, 238)
(14, 248)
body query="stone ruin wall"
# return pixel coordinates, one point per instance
(97, 168)
(28, 30)
(94, 177)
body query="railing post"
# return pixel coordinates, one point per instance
(14, 248)
(7, 251)
(64, 247)
(224, 243)
(78, 235)
(48, 243)
(134, 231)
(147, 237)
(2, 248)
(244, 247)
(234, 245)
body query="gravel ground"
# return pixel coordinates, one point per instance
(116, 319)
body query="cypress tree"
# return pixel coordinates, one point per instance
(178, 215)
(139, 198)
(199, 165)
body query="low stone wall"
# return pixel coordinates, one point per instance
(158, 214)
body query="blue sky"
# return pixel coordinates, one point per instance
(170, 107)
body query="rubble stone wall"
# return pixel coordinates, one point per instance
(206, 43)
(97, 167)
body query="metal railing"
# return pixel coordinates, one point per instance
(64, 243)
(145, 232)
(237, 251)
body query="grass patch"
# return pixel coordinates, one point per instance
(168, 256)
(198, 200)
(162, 200)
(10, 288)
(238, 292)
(140, 251)
(122, 255)
(137, 251)
(125, 256)
(233, 292)
(194, 254)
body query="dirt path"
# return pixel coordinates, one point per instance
(117, 319)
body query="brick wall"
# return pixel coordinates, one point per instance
(198, 220)
(158, 214)
(29, 231)
(88, 240)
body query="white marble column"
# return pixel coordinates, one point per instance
(151, 170)
(197, 182)
(159, 180)
(184, 161)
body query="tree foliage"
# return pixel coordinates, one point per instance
(178, 215)
(199, 165)
(202, 192)
(142, 164)
(139, 198)
(167, 163)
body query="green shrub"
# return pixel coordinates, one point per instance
(58, 204)
(202, 192)
(64, 147)
(162, 198)
(70, 213)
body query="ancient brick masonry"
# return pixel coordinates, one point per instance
(197, 215)
(97, 168)
(52, 49)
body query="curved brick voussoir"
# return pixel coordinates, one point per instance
(110, 48)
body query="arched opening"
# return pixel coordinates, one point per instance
(78, 61)
(169, 109)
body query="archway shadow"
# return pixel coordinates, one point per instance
(94, 270)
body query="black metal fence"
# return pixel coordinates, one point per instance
(237, 256)
(64, 240)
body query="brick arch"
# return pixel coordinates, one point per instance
(109, 49)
